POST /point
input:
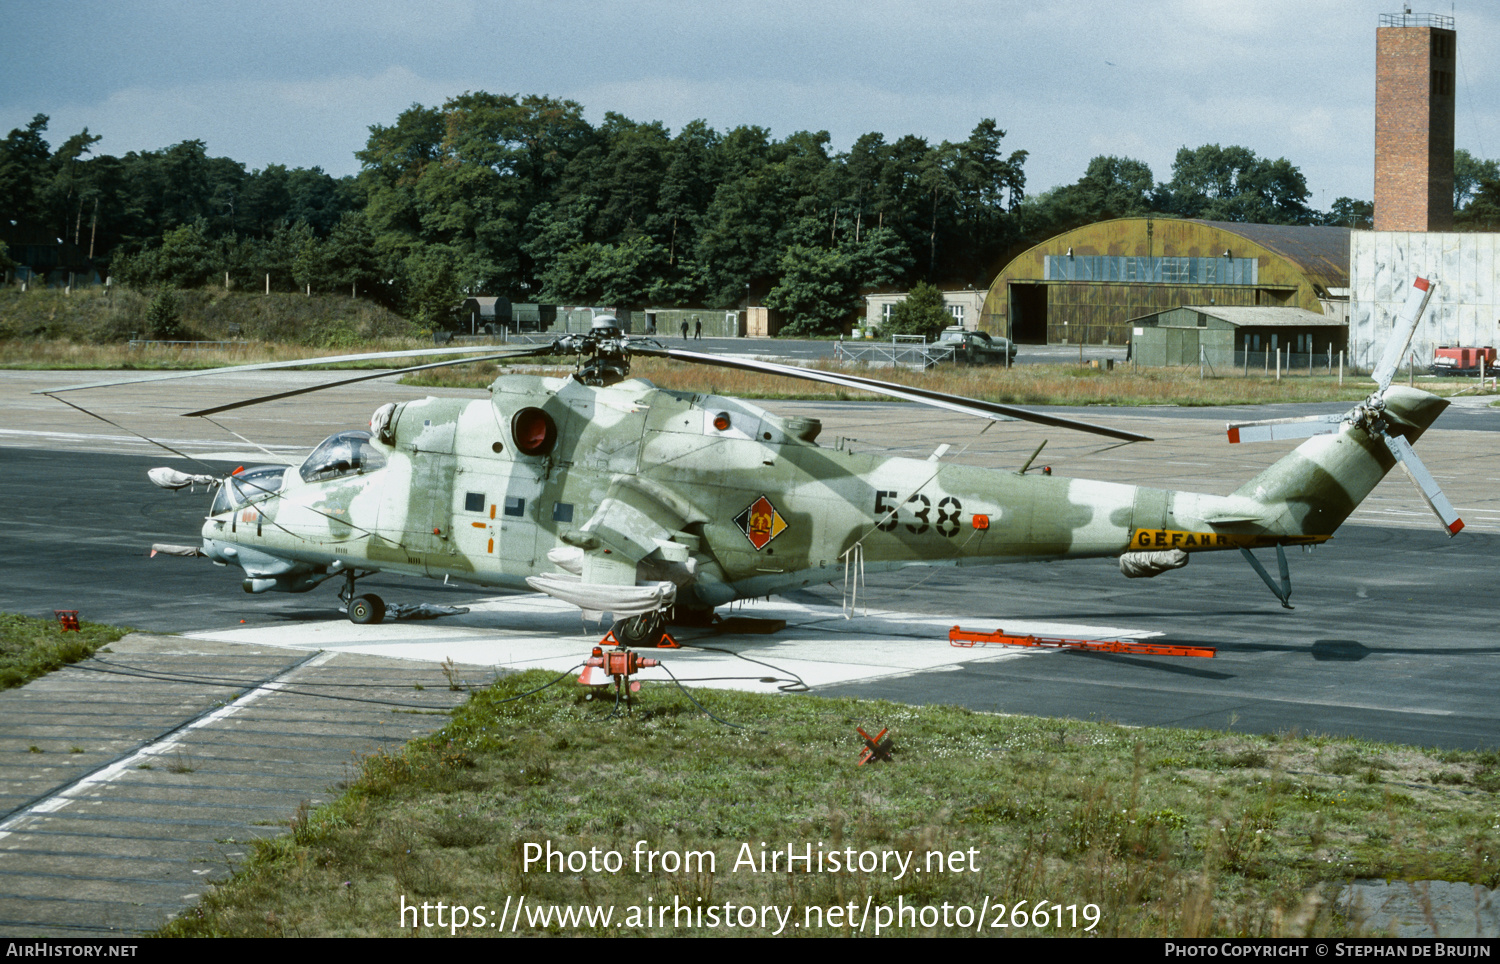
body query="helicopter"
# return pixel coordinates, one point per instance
(658, 506)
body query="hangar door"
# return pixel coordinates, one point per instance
(1028, 313)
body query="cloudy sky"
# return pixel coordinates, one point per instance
(299, 82)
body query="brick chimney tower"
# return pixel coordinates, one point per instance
(1414, 70)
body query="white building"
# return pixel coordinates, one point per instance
(964, 306)
(1465, 306)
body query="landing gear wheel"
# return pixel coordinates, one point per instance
(642, 630)
(366, 609)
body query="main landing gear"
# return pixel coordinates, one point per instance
(637, 631)
(363, 610)
(646, 629)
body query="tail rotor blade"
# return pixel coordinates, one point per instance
(1406, 457)
(1276, 429)
(1406, 325)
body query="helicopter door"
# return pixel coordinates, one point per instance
(416, 514)
(494, 524)
(495, 501)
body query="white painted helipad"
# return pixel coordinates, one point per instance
(819, 644)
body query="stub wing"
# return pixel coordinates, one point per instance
(631, 555)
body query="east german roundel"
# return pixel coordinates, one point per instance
(760, 522)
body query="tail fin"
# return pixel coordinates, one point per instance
(1314, 489)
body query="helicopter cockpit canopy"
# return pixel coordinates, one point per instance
(248, 486)
(347, 453)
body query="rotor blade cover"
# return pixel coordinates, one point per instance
(169, 478)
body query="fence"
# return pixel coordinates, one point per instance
(902, 351)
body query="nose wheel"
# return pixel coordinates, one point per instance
(363, 610)
(366, 609)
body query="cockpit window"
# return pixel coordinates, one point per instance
(250, 485)
(347, 453)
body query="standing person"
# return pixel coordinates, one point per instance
(684, 329)
(697, 329)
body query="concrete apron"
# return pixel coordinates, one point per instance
(134, 780)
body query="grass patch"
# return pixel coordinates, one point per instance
(34, 647)
(99, 318)
(1168, 832)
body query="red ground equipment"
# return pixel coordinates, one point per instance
(1452, 360)
(618, 665)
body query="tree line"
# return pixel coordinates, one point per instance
(521, 196)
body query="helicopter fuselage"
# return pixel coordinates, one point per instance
(629, 484)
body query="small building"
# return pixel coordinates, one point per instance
(1224, 335)
(484, 314)
(964, 305)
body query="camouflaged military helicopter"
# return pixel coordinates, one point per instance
(654, 506)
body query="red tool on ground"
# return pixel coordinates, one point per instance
(877, 747)
(967, 638)
(68, 618)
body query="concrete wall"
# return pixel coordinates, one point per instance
(1465, 306)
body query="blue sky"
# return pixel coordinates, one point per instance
(300, 83)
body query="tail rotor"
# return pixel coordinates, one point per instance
(1370, 414)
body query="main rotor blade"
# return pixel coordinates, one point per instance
(295, 363)
(952, 403)
(367, 376)
(1406, 457)
(1417, 297)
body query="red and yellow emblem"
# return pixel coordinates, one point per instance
(760, 522)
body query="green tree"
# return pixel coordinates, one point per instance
(1469, 173)
(817, 293)
(1349, 212)
(1233, 184)
(25, 173)
(1482, 213)
(632, 273)
(430, 286)
(184, 259)
(921, 313)
(164, 315)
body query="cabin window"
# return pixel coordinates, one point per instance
(562, 512)
(347, 453)
(514, 506)
(248, 486)
(474, 502)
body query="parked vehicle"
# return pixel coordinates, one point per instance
(1453, 361)
(965, 347)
